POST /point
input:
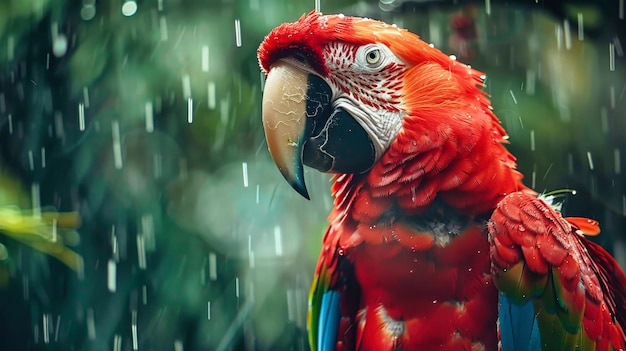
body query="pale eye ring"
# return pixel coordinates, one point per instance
(373, 56)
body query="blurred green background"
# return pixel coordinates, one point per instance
(144, 118)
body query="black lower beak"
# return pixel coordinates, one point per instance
(302, 127)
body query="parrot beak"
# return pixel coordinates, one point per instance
(291, 100)
(303, 126)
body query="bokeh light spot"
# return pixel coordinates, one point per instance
(88, 12)
(129, 8)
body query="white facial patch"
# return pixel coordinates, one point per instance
(367, 82)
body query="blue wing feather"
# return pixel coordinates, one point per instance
(329, 321)
(519, 330)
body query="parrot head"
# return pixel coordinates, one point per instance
(342, 92)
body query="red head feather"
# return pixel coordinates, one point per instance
(448, 116)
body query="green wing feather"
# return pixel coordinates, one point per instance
(539, 256)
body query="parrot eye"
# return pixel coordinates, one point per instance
(372, 57)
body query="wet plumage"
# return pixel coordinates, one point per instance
(434, 243)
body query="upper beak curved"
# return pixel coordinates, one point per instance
(286, 99)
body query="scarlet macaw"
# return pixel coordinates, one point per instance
(434, 243)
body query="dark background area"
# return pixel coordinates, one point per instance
(144, 118)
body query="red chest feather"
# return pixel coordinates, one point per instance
(425, 286)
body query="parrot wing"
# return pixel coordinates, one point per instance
(333, 302)
(558, 290)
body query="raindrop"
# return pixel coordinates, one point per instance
(114, 245)
(163, 27)
(531, 77)
(160, 5)
(488, 7)
(208, 308)
(186, 86)
(58, 124)
(237, 287)
(568, 35)
(10, 48)
(244, 168)
(211, 92)
(134, 329)
(618, 46)
(189, 110)
(617, 161)
(224, 110)
(81, 116)
(3, 104)
(251, 259)
(545, 175)
(238, 33)
(86, 97)
(158, 165)
(46, 326)
(91, 325)
(278, 243)
(35, 200)
(611, 57)
(558, 32)
(117, 342)
(212, 266)
(10, 117)
(43, 157)
(141, 252)
(31, 161)
(532, 140)
(291, 316)
(581, 27)
(205, 58)
(56, 330)
(111, 276)
(513, 96)
(149, 112)
(621, 9)
(590, 159)
(434, 28)
(129, 8)
(178, 345)
(117, 146)
(612, 96)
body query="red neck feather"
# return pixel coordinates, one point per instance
(450, 148)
